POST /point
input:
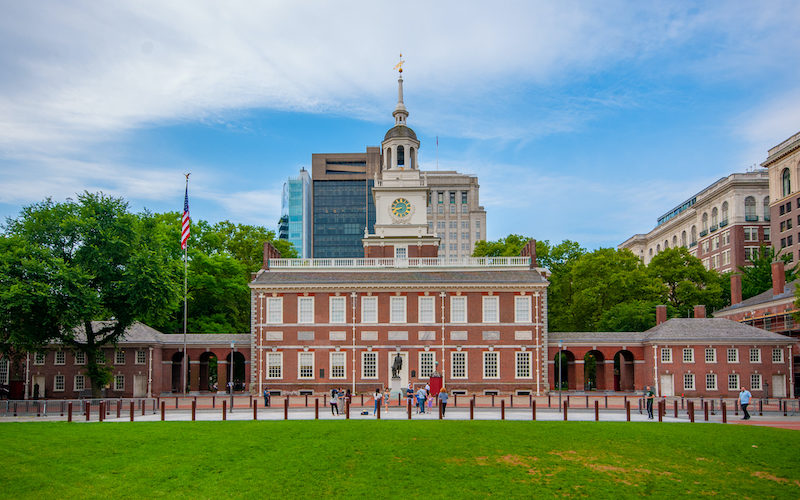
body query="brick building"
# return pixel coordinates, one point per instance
(783, 164)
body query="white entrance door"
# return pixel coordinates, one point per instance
(139, 386)
(778, 386)
(37, 380)
(403, 370)
(666, 385)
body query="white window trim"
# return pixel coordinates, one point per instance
(273, 302)
(525, 298)
(333, 354)
(80, 353)
(691, 357)
(668, 351)
(432, 300)
(694, 382)
(267, 358)
(713, 351)
(488, 354)
(760, 382)
(299, 309)
(728, 355)
(486, 300)
(466, 364)
(433, 361)
(331, 301)
(63, 383)
(364, 354)
(75, 382)
(36, 361)
(63, 360)
(364, 300)
(144, 357)
(453, 301)
(783, 357)
(300, 355)
(116, 378)
(117, 352)
(738, 382)
(392, 301)
(750, 355)
(716, 382)
(516, 365)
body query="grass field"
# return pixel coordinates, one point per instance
(377, 459)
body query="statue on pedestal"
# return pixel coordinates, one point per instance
(397, 365)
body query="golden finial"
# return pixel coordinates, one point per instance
(399, 65)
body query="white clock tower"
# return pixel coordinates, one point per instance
(400, 195)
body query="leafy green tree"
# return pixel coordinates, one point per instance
(632, 316)
(758, 277)
(686, 282)
(510, 246)
(78, 262)
(559, 260)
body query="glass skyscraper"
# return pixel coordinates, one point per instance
(341, 211)
(295, 222)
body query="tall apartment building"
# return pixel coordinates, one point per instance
(454, 212)
(295, 221)
(783, 164)
(723, 225)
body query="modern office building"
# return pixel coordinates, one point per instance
(783, 164)
(295, 222)
(454, 212)
(723, 225)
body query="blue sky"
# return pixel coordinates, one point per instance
(582, 120)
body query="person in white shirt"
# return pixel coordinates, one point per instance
(378, 398)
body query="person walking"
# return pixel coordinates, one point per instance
(378, 398)
(649, 396)
(421, 394)
(443, 400)
(266, 397)
(334, 402)
(744, 401)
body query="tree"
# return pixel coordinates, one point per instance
(92, 268)
(559, 260)
(758, 277)
(686, 282)
(510, 246)
(633, 316)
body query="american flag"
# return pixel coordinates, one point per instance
(186, 222)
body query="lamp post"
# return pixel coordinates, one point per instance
(560, 356)
(230, 379)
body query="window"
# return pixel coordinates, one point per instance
(274, 365)
(711, 381)
(755, 355)
(711, 355)
(4, 369)
(38, 358)
(724, 212)
(726, 238)
(522, 309)
(426, 305)
(427, 361)
(726, 257)
(522, 364)
(397, 310)
(453, 235)
(714, 217)
(119, 382)
(786, 184)
(441, 209)
(688, 381)
(400, 253)
(338, 361)
(465, 236)
(750, 209)
(706, 246)
(337, 305)
(490, 309)
(458, 309)
(369, 309)
(767, 234)
(119, 357)
(458, 364)
(61, 358)
(305, 365)
(733, 381)
(733, 355)
(688, 355)
(80, 358)
(463, 197)
(777, 355)
(79, 383)
(369, 364)
(305, 309)
(141, 357)
(755, 382)
(751, 253)
(491, 361)
(58, 383)
(440, 196)
(274, 310)
(666, 355)
(715, 243)
(477, 235)
(705, 224)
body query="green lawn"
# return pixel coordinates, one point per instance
(377, 459)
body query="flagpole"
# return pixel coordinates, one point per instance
(185, 245)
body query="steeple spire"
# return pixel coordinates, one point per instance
(400, 112)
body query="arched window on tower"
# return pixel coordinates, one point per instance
(724, 220)
(388, 158)
(412, 158)
(786, 182)
(401, 161)
(750, 209)
(766, 208)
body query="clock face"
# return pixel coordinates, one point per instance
(401, 207)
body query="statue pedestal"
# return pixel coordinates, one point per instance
(394, 387)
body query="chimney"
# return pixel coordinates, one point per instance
(270, 252)
(736, 289)
(778, 277)
(699, 311)
(661, 314)
(529, 250)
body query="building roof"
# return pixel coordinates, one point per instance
(139, 333)
(400, 131)
(762, 298)
(389, 277)
(710, 330)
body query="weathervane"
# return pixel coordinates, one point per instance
(399, 65)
